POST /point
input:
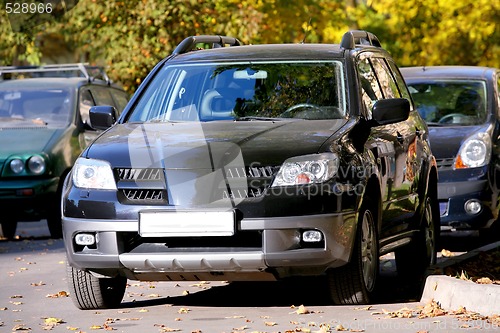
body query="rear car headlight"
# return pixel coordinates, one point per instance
(36, 164)
(474, 152)
(307, 169)
(93, 174)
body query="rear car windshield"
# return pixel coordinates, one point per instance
(239, 91)
(450, 102)
(50, 107)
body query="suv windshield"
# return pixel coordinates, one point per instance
(49, 107)
(450, 102)
(244, 91)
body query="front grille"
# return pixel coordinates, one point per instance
(143, 195)
(141, 186)
(445, 163)
(258, 179)
(132, 174)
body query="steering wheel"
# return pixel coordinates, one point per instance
(450, 117)
(288, 112)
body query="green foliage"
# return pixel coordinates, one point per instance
(131, 36)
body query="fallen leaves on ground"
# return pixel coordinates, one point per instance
(483, 268)
(59, 294)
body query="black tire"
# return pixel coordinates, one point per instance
(9, 226)
(54, 221)
(89, 292)
(55, 225)
(413, 259)
(355, 282)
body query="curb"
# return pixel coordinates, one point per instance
(452, 293)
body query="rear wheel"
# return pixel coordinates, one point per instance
(354, 283)
(9, 226)
(89, 292)
(413, 259)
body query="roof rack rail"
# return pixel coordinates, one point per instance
(189, 43)
(81, 68)
(359, 37)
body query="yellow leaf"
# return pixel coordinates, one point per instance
(302, 310)
(270, 323)
(446, 253)
(52, 320)
(339, 327)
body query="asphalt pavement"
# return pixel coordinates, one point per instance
(33, 298)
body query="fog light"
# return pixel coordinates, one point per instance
(85, 239)
(472, 206)
(312, 236)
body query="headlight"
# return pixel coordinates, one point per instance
(474, 152)
(93, 174)
(17, 166)
(307, 169)
(36, 164)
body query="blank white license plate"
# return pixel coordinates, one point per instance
(186, 223)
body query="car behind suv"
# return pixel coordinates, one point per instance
(461, 107)
(44, 126)
(256, 162)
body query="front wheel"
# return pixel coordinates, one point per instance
(354, 283)
(9, 226)
(413, 259)
(89, 292)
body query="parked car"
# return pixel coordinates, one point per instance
(257, 162)
(44, 126)
(461, 107)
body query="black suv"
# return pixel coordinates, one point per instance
(44, 126)
(461, 107)
(255, 162)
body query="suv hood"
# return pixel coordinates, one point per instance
(195, 145)
(446, 140)
(25, 140)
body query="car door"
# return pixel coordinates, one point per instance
(403, 200)
(389, 143)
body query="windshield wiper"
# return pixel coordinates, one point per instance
(252, 118)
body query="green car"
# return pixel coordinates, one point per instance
(44, 126)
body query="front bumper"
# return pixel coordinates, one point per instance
(275, 251)
(452, 198)
(28, 199)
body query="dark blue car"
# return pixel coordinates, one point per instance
(461, 107)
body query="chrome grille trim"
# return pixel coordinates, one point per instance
(134, 174)
(143, 195)
(266, 172)
(445, 163)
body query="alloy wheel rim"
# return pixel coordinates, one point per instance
(368, 251)
(430, 244)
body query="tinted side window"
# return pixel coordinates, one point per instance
(399, 80)
(85, 102)
(389, 86)
(370, 89)
(120, 98)
(498, 94)
(102, 96)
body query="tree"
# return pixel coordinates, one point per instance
(130, 36)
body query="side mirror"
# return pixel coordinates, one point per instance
(390, 111)
(103, 116)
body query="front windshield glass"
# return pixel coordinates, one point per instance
(46, 107)
(244, 91)
(450, 102)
